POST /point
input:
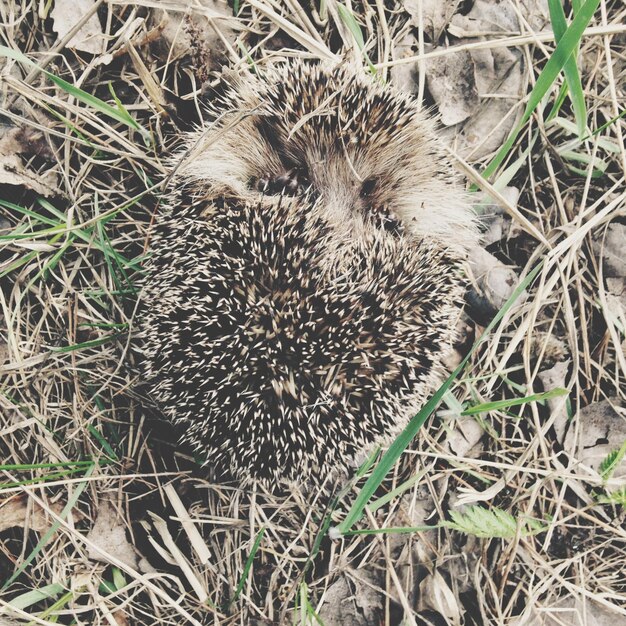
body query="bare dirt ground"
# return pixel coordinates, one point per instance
(515, 503)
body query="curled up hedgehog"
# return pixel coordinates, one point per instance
(305, 277)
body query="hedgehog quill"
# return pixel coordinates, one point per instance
(305, 276)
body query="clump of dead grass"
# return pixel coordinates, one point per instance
(81, 451)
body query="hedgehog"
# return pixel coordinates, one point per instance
(306, 274)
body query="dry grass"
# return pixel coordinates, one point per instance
(67, 394)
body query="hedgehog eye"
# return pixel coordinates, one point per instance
(368, 187)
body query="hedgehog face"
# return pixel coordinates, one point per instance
(366, 151)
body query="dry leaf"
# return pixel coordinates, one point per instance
(492, 17)
(480, 87)
(109, 534)
(491, 85)
(199, 35)
(90, 37)
(611, 250)
(351, 602)
(554, 378)
(436, 15)
(616, 295)
(17, 511)
(121, 618)
(494, 282)
(601, 430)
(615, 309)
(451, 83)
(404, 76)
(13, 172)
(500, 84)
(435, 594)
(464, 439)
(497, 226)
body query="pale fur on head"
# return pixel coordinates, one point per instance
(359, 144)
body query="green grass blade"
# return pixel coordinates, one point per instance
(402, 441)
(57, 606)
(571, 157)
(120, 107)
(305, 609)
(106, 446)
(39, 480)
(368, 463)
(505, 404)
(27, 258)
(352, 25)
(394, 493)
(248, 565)
(570, 69)
(558, 103)
(474, 520)
(51, 263)
(93, 343)
(557, 17)
(30, 466)
(564, 49)
(24, 600)
(28, 212)
(88, 237)
(249, 59)
(79, 94)
(106, 588)
(606, 125)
